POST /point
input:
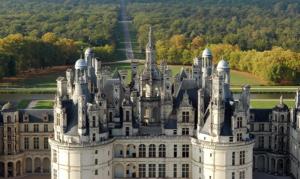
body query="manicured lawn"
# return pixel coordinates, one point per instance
(23, 104)
(270, 103)
(44, 104)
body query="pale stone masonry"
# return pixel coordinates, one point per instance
(189, 126)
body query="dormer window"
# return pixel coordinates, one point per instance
(45, 117)
(26, 118)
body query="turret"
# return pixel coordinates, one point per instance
(197, 71)
(82, 115)
(206, 65)
(70, 81)
(224, 71)
(80, 81)
(217, 104)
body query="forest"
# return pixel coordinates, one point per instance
(38, 34)
(260, 36)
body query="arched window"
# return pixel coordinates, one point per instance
(162, 150)
(142, 150)
(152, 150)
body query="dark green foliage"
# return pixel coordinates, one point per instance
(255, 24)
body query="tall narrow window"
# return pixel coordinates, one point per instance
(232, 175)
(142, 150)
(242, 174)
(162, 170)
(239, 137)
(185, 116)
(45, 127)
(25, 127)
(242, 157)
(36, 128)
(94, 121)
(152, 150)
(185, 151)
(142, 170)
(127, 131)
(152, 171)
(26, 143)
(175, 151)
(127, 116)
(174, 170)
(233, 158)
(185, 170)
(46, 144)
(239, 122)
(36, 143)
(162, 150)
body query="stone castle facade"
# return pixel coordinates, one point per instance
(158, 126)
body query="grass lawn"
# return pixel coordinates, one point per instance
(23, 104)
(270, 103)
(44, 104)
(46, 83)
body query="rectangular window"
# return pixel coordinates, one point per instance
(239, 137)
(36, 143)
(96, 172)
(175, 151)
(94, 121)
(152, 171)
(232, 175)
(127, 131)
(185, 131)
(242, 157)
(94, 137)
(45, 127)
(25, 127)
(174, 170)
(46, 144)
(26, 143)
(261, 141)
(239, 122)
(142, 170)
(185, 151)
(242, 174)
(185, 116)
(127, 116)
(36, 128)
(162, 170)
(185, 170)
(96, 161)
(270, 142)
(233, 158)
(261, 127)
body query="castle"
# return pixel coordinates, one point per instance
(189, 126)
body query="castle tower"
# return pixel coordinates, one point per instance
(206, 67)
(197, 71)
(80, 81)
(223, 147)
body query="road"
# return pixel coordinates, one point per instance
(125, 22)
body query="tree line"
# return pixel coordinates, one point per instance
(276, 65)
(255, 24)
(39, 34)
(20, 53)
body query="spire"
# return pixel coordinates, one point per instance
(281, 100)
(150, 42)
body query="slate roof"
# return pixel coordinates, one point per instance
(190, 87)
(261, 115)
(36, 115)
(226, 128)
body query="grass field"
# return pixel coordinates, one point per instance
(23, 104)
(270, 103)
(44, 104)
(46, 83)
